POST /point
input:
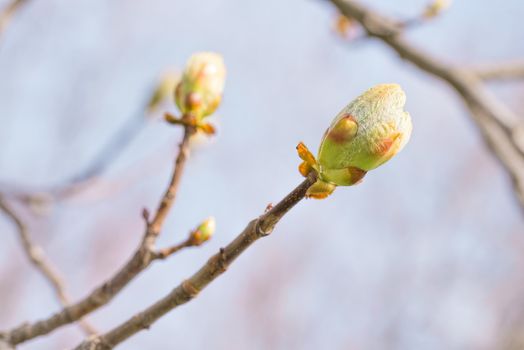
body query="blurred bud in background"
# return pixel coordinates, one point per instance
(163, 91)
(200, 91)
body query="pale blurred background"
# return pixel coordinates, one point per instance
(427, 253)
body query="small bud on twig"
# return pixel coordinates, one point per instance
(203, 232)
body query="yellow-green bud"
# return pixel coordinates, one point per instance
(364, 135)
(200, 91)
(204, 231)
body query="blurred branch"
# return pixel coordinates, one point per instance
(346, 26)
(8, 12)
(495, 121)
(122, 138)
(116, 145)
(105, 157)
(214, 267)
(141, 259)
(5, 346)
(87, 176)
(35, 254)
(500, 71)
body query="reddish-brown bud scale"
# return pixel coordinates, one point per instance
(344, 130)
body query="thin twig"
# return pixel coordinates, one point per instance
(500, 71)
(214, 267)
(141, 259)
(496, 122)
(35, 254)
(167, 252)
(196, 238)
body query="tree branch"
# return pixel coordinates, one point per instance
(36, 256)
(214, 267)
(500, 71)
(495, 121)
(142, 258)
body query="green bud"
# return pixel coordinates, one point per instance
(364, 135)
(204, 231)
(200, 91)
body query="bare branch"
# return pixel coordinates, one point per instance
(214, 267)
(141, 259)
(495, 121)
(500, 71)
(35, 254)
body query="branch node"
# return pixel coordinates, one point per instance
(260, 232)
(190, 290)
